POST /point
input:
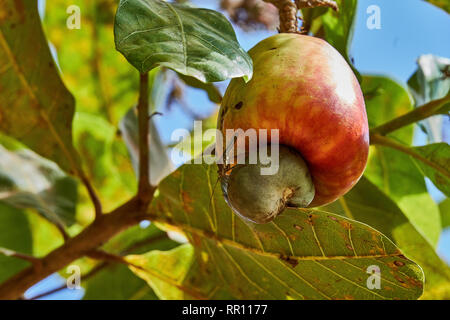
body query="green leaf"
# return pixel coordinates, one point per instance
(302, 254)
(443, 4)
(14, 235)
(444, 207)
(368, 204)
(30, 181)
(36, 107)
(160, 164)
(437, 166)
(177, 274)
(117, 283)
(385, 100)
(430, 83)
(213, 92)
(339, 27)
(107, 162)
(394, 172)
(195, 42)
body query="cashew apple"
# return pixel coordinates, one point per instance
(304, 88)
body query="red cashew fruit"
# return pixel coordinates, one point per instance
(304, 88)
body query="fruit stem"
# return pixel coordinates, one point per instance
(288, 15)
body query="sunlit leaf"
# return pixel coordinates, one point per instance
(394, 172)
(35, 107)
(14, 235)
(177, 274)
(368, 204)
(195, 42)
(302, 254)
(30, 181)
(437, 166)
(444, 207)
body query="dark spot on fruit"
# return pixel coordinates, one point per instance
(272, 48)
(239, 105)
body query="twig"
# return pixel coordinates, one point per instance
(378, 139)
(317, 3)
(92, 194)
(105, 264)
(92, 237)
(144, 187)
(11, 253)
(288, 15)
(419, 113)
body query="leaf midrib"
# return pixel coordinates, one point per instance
(30, 92)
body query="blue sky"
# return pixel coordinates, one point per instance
(409, 28)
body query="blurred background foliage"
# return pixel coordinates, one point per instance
(105, 87)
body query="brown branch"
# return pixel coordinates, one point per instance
(95, 235)
(420, 113)
(105, 264)
(11, 253)
(144, 187)
(378, 139)
(92, 194)
(288, 15)
(316, 3)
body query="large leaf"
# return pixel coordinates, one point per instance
(35, 106)
(195, 42)
(368, 204)
(430, 83)
(30, 181)
(339, 28)
(14, 235)
(394, 172)
(302, 254)
(437, 164)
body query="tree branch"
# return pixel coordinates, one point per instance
(105, 264)
(104, 227)
(95, 235)
(419, 113)
(317, 3)
(92, 194)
